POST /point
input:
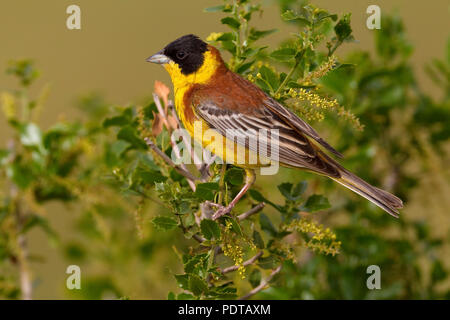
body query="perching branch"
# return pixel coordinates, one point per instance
(264, 283)
(246, 263)
(252, 211)
(169, 161)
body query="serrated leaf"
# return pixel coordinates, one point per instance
(210, 229)
(182, 281)
(197, 285)
(164, 223)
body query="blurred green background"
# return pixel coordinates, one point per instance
(108, 56)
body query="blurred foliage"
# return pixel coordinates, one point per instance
(130, 205)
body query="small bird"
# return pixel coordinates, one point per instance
(207, 91)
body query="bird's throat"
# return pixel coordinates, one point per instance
(211, 63)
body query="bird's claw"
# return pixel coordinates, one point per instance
(221, 212)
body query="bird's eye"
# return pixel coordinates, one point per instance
(181, 55)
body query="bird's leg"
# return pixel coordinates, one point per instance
(249, 180)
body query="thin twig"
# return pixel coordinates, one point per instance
(246, 263)
(252, 211)
(198, 238)
(169, 161)
(262, 285)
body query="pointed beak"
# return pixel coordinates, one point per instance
(158, 58)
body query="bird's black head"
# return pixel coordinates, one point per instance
(186, 51)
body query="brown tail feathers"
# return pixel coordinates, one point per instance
(381, 198)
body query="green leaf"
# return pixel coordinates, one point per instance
(290, 15)
(285, 189)
(258, 34)
(233, 23)
(235, 226)
(325, 15)
(343, 29)
(243, 68)
(129, 134)
(210, 229)
(283, 55)
(235, 176)
(171, 296)
(316, 202)
(185, 296)
(182, 281)
(258, 240)
(291, 193)
(270, 77)
(118, 121)
(206, 191)
(438, 272)
(227, 36)
(255, 278)
(267, 225)
(197, 264)
(214, 9)
(164, 223)
(22, 176)
(197, 285)
(255, 194)
(150, 176)
(118, 147)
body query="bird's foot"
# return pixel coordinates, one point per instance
(221, 212)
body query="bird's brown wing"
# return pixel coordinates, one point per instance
(291, 118)
(235, 110)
